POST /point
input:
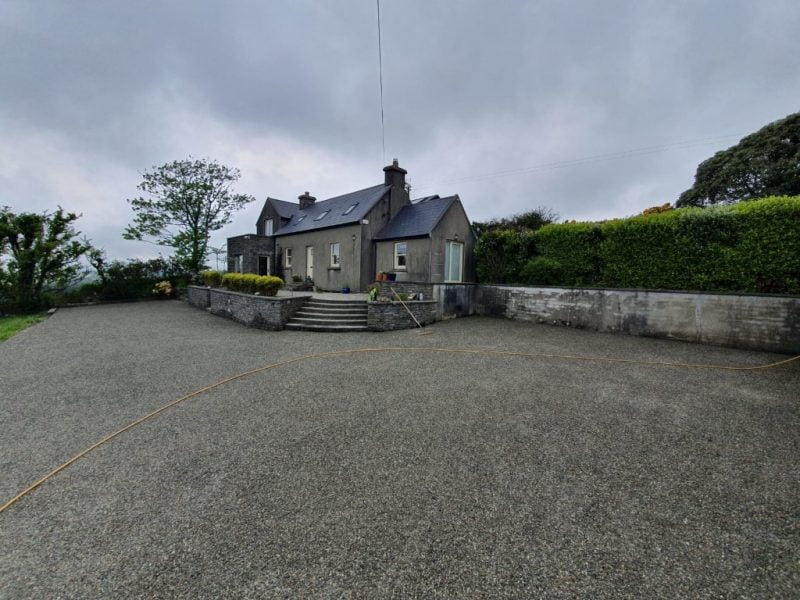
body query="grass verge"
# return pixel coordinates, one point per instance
(15, 323)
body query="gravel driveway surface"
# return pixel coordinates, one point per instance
(391, 474)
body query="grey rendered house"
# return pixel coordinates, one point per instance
(343, 242)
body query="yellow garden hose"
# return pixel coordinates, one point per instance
(152, 414)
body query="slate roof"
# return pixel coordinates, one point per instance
(417, 219)
(305, 220)
(283, 208)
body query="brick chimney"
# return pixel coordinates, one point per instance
(395, 175)
(306, 200)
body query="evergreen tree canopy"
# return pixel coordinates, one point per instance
(765, 163)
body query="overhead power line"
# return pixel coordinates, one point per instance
(561, 164)
(380, 78)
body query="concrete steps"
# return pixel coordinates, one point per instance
(330, 315)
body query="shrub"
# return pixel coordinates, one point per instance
(267, 285)
(162, 288)
(752, 246)
(249, 283)
(767, 256)
(687, 249)
(133, 279)
(574, 247)
(297, 278)
(212, 278)
(541, 271)
(83, 293)
(501, 254)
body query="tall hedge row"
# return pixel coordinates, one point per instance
(747, 247)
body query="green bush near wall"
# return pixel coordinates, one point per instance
(574, 247)
(751, 246)
(212, 278)
(249, 283)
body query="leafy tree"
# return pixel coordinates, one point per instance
(501, 253)
(43, 255)
(530, 220)
(765, 163)
(188, 200)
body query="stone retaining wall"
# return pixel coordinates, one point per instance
(749, 321)
(404, 287)
(388, 316)
(263, 312)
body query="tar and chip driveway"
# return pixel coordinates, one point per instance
(391, 474)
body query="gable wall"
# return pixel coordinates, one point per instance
(269, 212)
(453, 222)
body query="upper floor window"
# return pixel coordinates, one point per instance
(268, 227)
(322, 216)
(350, 209)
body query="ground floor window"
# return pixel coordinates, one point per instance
(335, 255)
(453, 261)
(288, 254)
(400, 255)
(238, 263)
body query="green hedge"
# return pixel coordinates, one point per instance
(249, 283)
(212, 278)
(747, 247)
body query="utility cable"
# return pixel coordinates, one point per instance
(560, 164)
(283, 363)
(380, 78)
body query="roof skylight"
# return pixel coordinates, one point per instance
(300, 219)
(350, 209)
(322, 216)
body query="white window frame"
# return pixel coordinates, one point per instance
(287, 257)
(447, 263)
(336, 258)
(268, 227)
(397, 255)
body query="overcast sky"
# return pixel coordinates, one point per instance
(494, 100)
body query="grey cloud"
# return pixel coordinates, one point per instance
(471, 87)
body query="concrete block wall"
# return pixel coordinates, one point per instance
(388, 316)
(262, 312)
(748, 321)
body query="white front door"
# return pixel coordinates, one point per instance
(310, 262)
(453, 261)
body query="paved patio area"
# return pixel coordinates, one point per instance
(391, 474)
